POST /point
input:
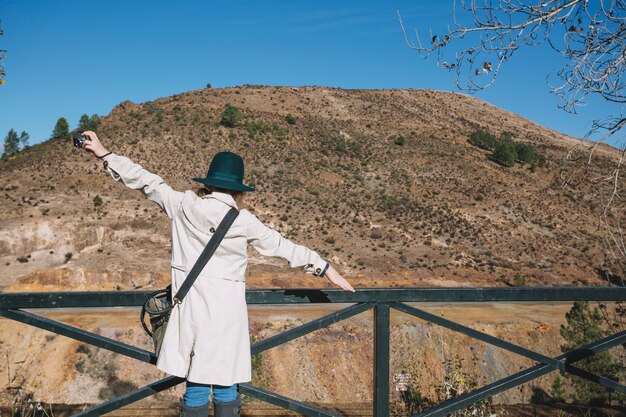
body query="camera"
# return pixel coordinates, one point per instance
(79, 139)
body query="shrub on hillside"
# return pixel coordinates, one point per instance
(557, 390)
(525, 153)
(586, 325)
(290, 119)
(260, 127)
(541, 161)
(230, 116)
(504, 153)
(484, 140)
(411, 400)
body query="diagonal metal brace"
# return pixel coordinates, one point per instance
(284, 402)
(511, 347)
(465, 400)
(79, 334)
(310, 327)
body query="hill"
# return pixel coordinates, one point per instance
(384, 183)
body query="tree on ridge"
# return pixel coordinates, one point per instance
(61, 129)
(11, 143)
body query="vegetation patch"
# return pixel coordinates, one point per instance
(231, 116)
(506, 152)
(290, 119)
(256, 128)
(586, 325)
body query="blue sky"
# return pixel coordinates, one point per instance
(67, 58)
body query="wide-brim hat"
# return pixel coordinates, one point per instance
(226, 172)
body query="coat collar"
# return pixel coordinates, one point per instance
(205, 215)
(223, 197)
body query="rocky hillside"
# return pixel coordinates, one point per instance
(385, 184)
(382, 182)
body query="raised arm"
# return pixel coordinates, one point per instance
(269, 242)
(134, 176)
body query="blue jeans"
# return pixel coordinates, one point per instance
(198, 394)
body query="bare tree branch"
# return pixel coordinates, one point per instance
(591, 37)
(2, 57)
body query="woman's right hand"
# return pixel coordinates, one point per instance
(93, 145)
(336, 278)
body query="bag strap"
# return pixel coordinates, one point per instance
(206, 254)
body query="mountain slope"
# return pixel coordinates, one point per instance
(431, 209)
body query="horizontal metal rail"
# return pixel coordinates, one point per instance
(381, 300)
(93, 299)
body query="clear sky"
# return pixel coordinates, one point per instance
(70, 57)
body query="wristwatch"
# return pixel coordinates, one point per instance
(320, 272)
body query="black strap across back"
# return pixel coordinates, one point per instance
(206, 254)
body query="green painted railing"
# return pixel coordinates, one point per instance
(13, 305)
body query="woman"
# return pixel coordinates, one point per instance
(207, 340)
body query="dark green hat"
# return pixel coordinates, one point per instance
(226, 171)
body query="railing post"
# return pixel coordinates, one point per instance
(381, 360)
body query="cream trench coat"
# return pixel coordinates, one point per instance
(207, 339)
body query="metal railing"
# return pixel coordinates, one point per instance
(12, 306)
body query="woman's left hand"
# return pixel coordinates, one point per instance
(336, 278)
(93, 144)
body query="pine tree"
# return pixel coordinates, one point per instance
(83, 122)
(11, 143)
(558, 389)
(24, 138)
(504, 153)
(94, 121)
(89, 123)
(584, 326)
(61, 129)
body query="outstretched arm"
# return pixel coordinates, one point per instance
(269, 242)
(134, 176)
